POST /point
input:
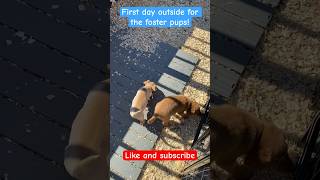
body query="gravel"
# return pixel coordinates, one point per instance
(147, 39)
(280, 84)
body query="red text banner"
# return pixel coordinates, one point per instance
(150, 155)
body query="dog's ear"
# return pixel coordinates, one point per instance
(154, 87)
(146, 82)
(194, 107)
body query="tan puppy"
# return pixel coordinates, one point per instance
(171, 105)
(86, 155)
(140, 101)
(237, 133)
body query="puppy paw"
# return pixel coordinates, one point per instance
(166, 125)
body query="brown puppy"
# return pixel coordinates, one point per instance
(238, 133)
(140, 101)
(86, 154)
(174, 104)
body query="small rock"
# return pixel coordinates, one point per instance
(84, 31)
(8, 42)
(50, 97)
(63, 137)
(67, 71)
(6, 176)
(31, 41)
(98, 45)
(8, 140)
(59, 20)
(55, 6)
(21, 35)
(82, 7)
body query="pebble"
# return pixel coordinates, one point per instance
(55, 6)
(68, 71)
(82, 7)
(31, 41)
(8, 42)
(51, 97)
(21, 35)
(31, 108)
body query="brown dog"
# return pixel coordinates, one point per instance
(86, 154)
(140, 101)
(238, 133)
(171, 105)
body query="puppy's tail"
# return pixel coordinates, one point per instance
(152, 119)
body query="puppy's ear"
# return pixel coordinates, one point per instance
(145, 82)
(154, 87)
(194, 107)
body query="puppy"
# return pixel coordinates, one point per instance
(171, 105)
(237, 133)
(86, 154)
(140, 101)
